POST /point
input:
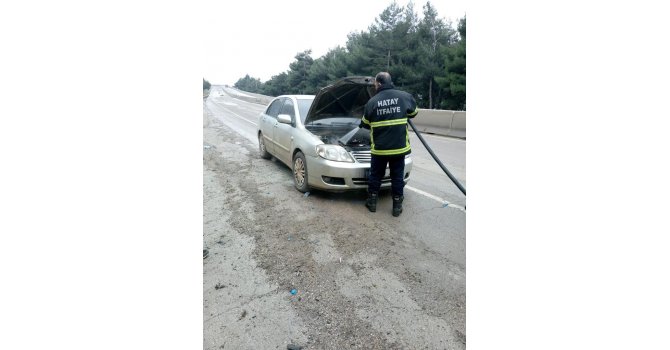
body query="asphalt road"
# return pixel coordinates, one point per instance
(389, 282)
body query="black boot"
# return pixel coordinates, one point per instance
(371, 202)
(397, 205)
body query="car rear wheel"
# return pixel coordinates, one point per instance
(261, 147)
(300, 172)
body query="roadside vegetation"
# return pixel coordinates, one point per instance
(425, 55)
(205, 88)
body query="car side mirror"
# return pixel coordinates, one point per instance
(284, 118)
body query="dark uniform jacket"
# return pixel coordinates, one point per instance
(386, 116)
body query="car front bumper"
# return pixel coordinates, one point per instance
(334, 176)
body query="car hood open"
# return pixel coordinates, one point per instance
(346, 98)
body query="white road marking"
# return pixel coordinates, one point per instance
(239, 116)
(229, 103)
(431, 196)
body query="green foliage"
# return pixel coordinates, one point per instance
(434, 36)
(205, 84)
(425, 56)
(249, 84)
(453, 82)
(298, 72)
(277, 85)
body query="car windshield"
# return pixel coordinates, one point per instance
(303, 107)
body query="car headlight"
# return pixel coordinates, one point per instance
(334, 152)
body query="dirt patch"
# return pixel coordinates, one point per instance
(360, 284)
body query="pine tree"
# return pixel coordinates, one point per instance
(453, 81)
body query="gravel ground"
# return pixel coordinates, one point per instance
(359, 283)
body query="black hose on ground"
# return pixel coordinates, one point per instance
(446, 171)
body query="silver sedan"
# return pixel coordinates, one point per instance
(319, 139)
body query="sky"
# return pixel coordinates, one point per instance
(261, 38)
(96, 124)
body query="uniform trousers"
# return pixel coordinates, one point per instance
(396, 166)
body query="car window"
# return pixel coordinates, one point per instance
(303, 108)
(273, 109)
(288, 108)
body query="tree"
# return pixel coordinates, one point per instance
(205, 84)
(454, 79)
(360, 59)
(406, 68)
(425, 56)
(386, 30)
(277, 85)
(249, 84)
(327, 69)
(299, 69)
(434, 36)
(318, 73)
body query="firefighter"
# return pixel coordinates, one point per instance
(386, 116)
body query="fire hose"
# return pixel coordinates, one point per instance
(345, 139)
(444, 168)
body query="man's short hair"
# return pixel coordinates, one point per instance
(383, 78)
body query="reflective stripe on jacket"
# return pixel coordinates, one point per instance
(386, 116)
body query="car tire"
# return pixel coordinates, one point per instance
(300, 172)
(261, 147)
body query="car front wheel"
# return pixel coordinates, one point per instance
(300, 172)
